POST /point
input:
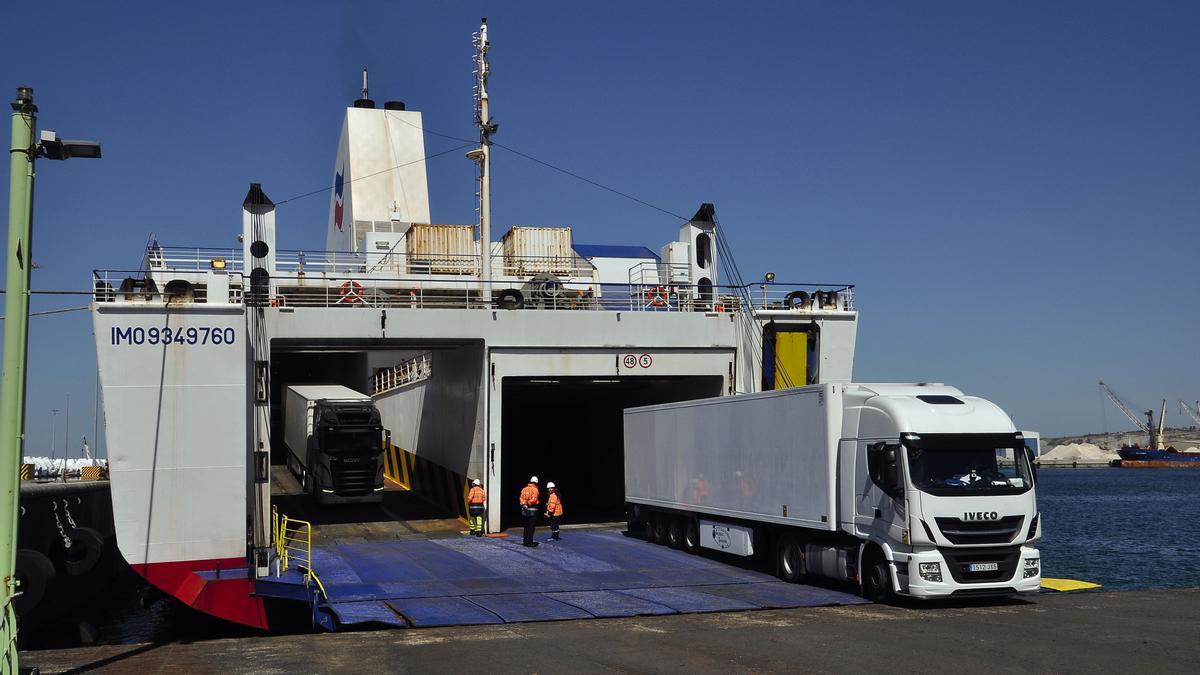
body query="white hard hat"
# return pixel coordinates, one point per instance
(475, 482)
(550, 485)
(533, 479)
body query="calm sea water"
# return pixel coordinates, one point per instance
(1123, 528)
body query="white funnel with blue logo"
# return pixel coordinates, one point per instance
(379, 180)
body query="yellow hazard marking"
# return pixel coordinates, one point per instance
(1067, 584)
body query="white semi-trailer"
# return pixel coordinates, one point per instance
(335, 443)
(908, 489)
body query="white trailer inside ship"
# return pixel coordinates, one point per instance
(904, 488)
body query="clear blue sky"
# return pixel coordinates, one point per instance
(1014, 187)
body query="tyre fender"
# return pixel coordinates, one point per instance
(510, 298)
(35, 573)
(87, 545)
(796, 300)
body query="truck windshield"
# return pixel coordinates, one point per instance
(949, 464)
(356, 442)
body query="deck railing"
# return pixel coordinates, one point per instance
(176, 275)
(406, 372)
(293, 545)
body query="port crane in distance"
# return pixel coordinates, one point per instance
(1191, 412)
(1154, 431)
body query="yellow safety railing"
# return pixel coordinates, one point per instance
(293, 544)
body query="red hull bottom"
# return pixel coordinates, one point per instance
(1158, 464)
(219, 587)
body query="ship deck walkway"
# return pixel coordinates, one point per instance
(589, 573)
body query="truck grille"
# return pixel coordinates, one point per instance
(959, 563)
(354, 477)
(999, 531)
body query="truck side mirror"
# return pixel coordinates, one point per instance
(884, 465)
(1033, 467)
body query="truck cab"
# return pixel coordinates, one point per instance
(943, 494)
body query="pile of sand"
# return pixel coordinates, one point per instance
(1078, 452)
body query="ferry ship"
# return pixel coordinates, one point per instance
(481, 356)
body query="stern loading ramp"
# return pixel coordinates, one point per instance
(464, 580)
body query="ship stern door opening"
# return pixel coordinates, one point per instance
(569, 430)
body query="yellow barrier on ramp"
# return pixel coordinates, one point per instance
(1067, 584)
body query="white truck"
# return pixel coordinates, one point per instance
(335, 442)
(906, 489)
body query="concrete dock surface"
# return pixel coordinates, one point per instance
(1129, 631)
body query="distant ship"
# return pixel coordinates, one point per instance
(1135, 457)
(1155, 455)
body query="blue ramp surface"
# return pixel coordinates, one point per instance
(595, 573)
(611, 603)
(449, 611)
(349, 613)
(688, 600)
(514, 607)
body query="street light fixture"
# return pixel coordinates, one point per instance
(52, 147)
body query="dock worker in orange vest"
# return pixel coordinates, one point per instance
(554, 509)
(530, 498)
(476, 498)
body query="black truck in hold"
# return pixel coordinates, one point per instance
(335, 441)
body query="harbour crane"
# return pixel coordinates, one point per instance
(1191, 412)
(1154, 431)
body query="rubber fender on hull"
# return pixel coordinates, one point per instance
(87, 545)
(35, 573)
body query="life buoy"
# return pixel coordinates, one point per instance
(351, 292)
(796, 300)
(657, 296)
(34, 575)
(87, 545)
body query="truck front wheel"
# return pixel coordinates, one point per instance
(877, 578)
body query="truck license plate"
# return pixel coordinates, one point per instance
(983, 567)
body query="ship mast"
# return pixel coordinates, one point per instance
(482, 156)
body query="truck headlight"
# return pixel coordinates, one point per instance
(930, 571)
(1032, 567)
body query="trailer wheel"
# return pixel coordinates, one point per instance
(648, 527)
(675, 532)
(660, 528)
(877, 578)
(691, 536)
(789, 559)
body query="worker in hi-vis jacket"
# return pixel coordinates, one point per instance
(554, 509)
(476, 498)
(530, 499)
